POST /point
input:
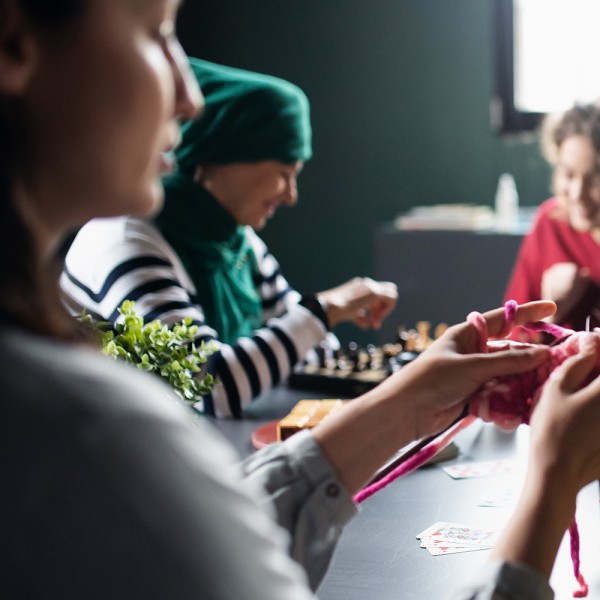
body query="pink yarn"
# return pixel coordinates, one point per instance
(415, 461)
(509, 400)
(506, 401)
(582, 592)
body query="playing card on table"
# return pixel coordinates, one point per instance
(449, 538)
(445, 549)
(479, 469)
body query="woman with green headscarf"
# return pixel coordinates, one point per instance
(201, 256)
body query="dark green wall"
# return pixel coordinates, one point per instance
(400, 93)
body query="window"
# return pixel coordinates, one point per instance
(547, 58)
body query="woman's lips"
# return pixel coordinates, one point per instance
(271, 208)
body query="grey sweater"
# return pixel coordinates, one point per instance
(111, 489)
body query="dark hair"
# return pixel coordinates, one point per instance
(52, 13)
(29, 289)
(581, 119)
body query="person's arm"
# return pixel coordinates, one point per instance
(307, 496)
(308, 484)
(312, 495)
(423, 397)
(564, 456)
(360, 300)
(127, 259)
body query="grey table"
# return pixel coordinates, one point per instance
(379, 558)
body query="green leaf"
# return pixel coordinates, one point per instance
(169, 352)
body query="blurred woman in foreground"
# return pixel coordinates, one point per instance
(109, 489)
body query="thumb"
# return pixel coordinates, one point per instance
(573, 373)
(576, 370)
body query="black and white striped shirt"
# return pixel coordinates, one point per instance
(125, 258)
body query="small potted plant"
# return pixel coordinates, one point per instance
(167, 351)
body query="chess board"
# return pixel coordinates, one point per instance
(354, 370)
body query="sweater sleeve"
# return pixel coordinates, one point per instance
(112, 260)
(143, 503)
(309, 500)
(507, 581)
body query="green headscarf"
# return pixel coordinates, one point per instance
(248, 117)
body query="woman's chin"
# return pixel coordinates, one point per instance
(149, 204)
(583, 221)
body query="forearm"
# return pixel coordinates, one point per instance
(362, 437)
(421, 399)
(255, 364)
(535, 531)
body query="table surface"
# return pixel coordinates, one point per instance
(378, 556)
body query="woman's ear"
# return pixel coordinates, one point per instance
(17, 48)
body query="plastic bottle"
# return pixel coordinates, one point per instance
(506, 203)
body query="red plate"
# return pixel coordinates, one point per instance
(266, 434)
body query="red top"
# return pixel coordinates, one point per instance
(552, 240)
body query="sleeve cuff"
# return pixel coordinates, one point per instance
(317, 306)
(507, 581)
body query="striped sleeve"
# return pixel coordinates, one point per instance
(112, 260)
(277, 296)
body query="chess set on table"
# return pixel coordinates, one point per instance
(354, 370)
(345, 374)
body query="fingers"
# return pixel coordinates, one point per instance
(573, 374)
(361, 319)
(379, 310)
(531, 311)
(509, 362)
(362, 300)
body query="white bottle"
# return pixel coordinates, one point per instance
(507, 203)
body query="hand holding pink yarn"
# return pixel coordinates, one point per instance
(509, 400)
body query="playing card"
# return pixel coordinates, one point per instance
(431, 543)
(441, 550)
(479, 469)
(455, 534)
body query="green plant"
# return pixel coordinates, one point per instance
(169, 352)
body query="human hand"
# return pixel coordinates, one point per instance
(425, 396)
(564, 436)
(362, 301)
(437, 384)
(565, 284)
(564, 456)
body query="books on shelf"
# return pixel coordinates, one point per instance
(464, 217)
(447, 216)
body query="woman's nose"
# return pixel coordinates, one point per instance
(189, 101)
(290, 196)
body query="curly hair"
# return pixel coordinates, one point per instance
(581, 119)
